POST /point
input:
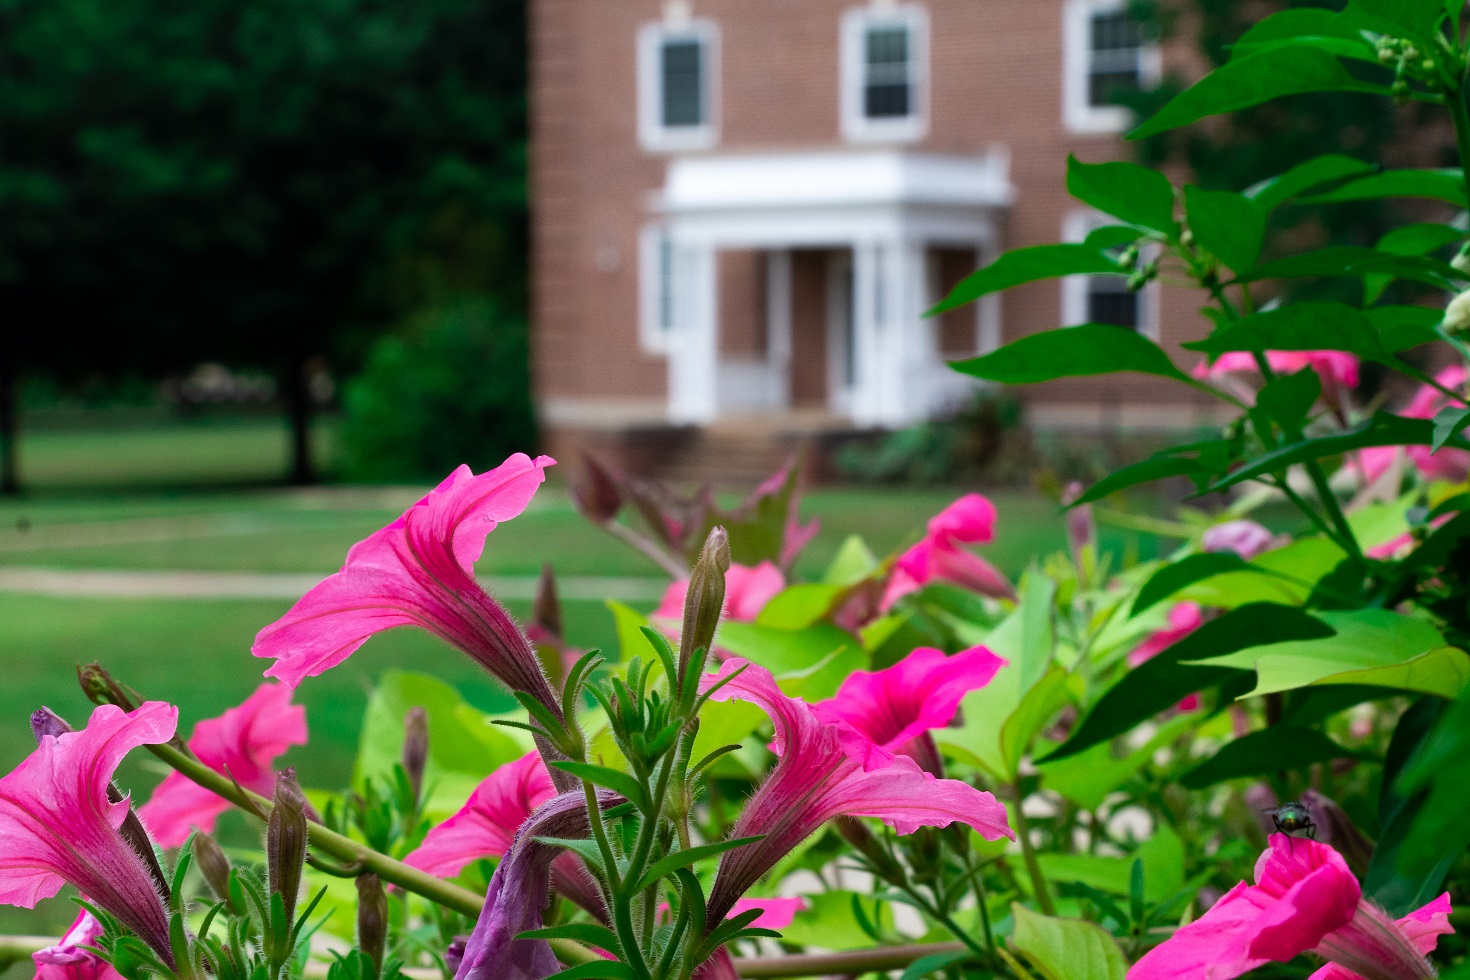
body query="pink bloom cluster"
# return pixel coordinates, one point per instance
(1305, 900)
(1338, 370)
(242, 744)
(1449, 463)
(941, 554)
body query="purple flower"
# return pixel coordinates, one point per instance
(70, 959)
(58, 826)
(1246, 538)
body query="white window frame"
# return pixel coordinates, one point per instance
(652, 133)
(856, 126)
(656, 299)
(1075, 228)
(1078, 112)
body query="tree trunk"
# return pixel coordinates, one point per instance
(9, 477)
(298, 404)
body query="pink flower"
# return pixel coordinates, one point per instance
(1450, 463)
(1337, 369)
(1246, 538)
(70, 959)
(241, 743)
(939, 555)
(419, 571)
(921, 692)
(57, 825)
(486, 824)
(827, 768)
(1305, 900)
(1184, 619)
(747, 590)
(776, 913)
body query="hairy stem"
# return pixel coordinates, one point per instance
(1028, 852)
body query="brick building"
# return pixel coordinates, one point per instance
(741, 209)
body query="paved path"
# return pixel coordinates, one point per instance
(261, 585)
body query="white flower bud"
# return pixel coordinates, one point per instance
(1457, 314)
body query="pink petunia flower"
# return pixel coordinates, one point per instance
(826, 769)
(896, 708)
(1184, 619)
(70, 959)
(1338, 370)
(940, 555)
(419, 571)
(1305, 900)
(487, 823)
(1450, 463)
(241, 743)
(1246, 538)
(58, 826)
(776, 913)
(747, 590)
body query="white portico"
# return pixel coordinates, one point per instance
(882, 214)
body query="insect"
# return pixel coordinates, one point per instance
(1290, 818)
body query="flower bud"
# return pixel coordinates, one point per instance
(1461, 261)
(213, 864)
(1081, 526)
(1336, 828)
(454, 953)
(372, 917)
(1186, 238)
(705, 599)
(415, 748)
(1457, 315)
(596, 495)
(546, 609)
(100, 688)
(285, 839)
(856, 833)
(45, 722)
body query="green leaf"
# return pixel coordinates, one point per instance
(1419, 239)
(619, 782)
(810, 663)
(853, 562)
(1303, 23)
(1253, 79)
(828, 922)
(1434, 808)
(1445, 184)
(1071, 352)
(1299, 326)
(684, 858)
(1402, 327)
(1089, 777)
(1138, 195)
(1027, 265)
(1447, 422)
(589, 933)
(799, 606)
(926, 965)
(1159, 468)
(1229, 226)
(1160, 682)
(1111, 236)
(1415, 19)
(631, 641)
(605, 969)
(1288, 398)
(1351, 260)
(1066, 949)
(1162, 857)
(1283, 748)
(1276, 191)
(584, 848)
(1185, 572)
(1373, 647)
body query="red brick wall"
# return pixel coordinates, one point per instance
(996, 76)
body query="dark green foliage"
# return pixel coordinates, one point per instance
(453, 388)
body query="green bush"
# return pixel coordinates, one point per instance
(453, 387)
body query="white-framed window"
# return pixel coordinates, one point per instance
(678, 85)
(657, 315)
(1106, 51)
(885, 73)
(1106, 299)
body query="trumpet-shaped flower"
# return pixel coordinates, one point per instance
(827, 768)
(921, 692)
(1246, 538)
(1449, 463)
(1337, 370)
(70, 959)
(1305, 900)
(747, 590)
(241, 743)
(58, 826)
(940, 555)
(519, 893)
(487, 823)
(419, 571)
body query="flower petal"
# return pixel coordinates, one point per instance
(486, 825)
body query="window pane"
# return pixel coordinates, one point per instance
(1116, 52)
(683, 82)
(887, 84)
(1110, 301)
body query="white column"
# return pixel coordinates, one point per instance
(903, 344)
(694, 343)
(869, 306)
(778, 326)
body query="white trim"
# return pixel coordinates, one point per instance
(1075, 228)
(1078, 113)
(655, 296)
(856, 126)
(652, 133)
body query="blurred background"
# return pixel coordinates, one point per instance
(270, 268)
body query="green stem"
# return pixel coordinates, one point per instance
(858, 962)
(347, 850)
(1455, 99)
(1028, 852)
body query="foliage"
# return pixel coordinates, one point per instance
(454, 386)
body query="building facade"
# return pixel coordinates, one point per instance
(741, 209)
